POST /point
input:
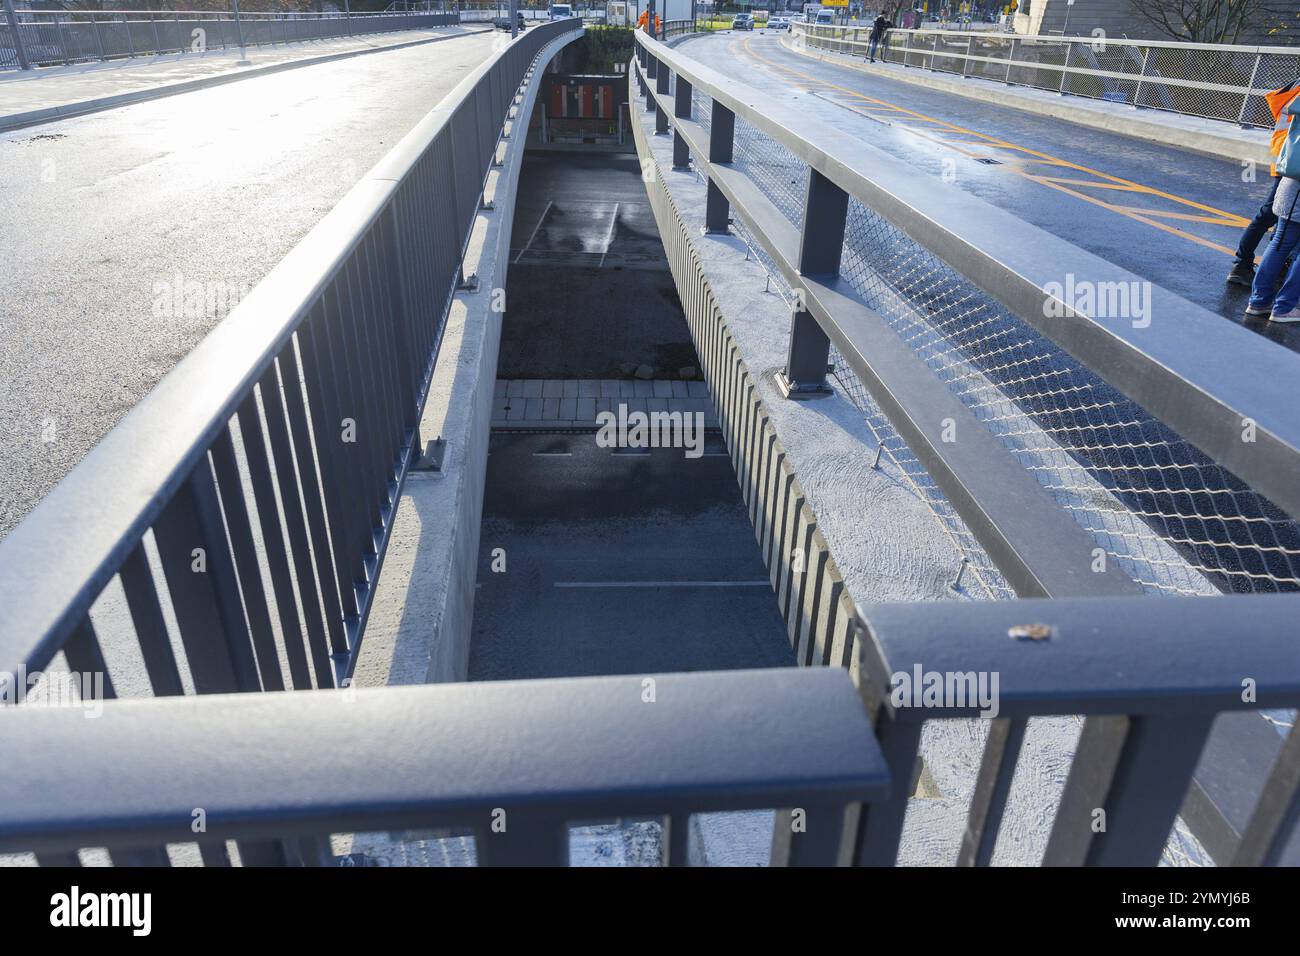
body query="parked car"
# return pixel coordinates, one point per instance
(503, 23)
(742, 21)
(825, 17)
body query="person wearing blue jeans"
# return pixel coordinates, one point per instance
(1243, 265)
(1281, 307)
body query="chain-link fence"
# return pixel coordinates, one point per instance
(1196, 79)
(1172, 519)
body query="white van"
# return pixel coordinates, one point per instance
(561, 11)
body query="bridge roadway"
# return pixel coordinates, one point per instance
(102, 216)
(1168, 215)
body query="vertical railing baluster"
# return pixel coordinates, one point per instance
(663, 79)
(992, 787)
(1276, 812)
(150, 626)
(880, 824)
(811, 835)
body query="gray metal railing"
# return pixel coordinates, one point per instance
(1197, 79)
(257, 481)
(267, 771)
(915, 290)
(33, 38)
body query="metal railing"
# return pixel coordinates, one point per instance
(1197, 79)
(267, 771)
(942, 314)
(33, 38)
(244, 506)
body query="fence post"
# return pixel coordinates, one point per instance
(63, 40)
(1250, 86)
(99, 42)
(663, 77)
(1137, 93)
(682, 103)
(722, 136)
(1011, 59)
(970, 49)
(821, 243)
(12, 18)
(1065, 67)
(239, 27)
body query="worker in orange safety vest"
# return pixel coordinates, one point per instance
(1243, 266)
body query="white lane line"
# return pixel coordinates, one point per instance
(540, 220)
(609, 240)
(552, 454)
(662, 584)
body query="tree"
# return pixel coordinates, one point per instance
(1218, 21)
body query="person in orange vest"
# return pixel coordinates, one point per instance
(1243, 266)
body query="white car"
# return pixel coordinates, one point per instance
(778, 23)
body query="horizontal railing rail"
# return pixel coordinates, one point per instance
(1033, 537)
(1176, 374)
(1215, 81)
(53, 37)
(1150, 675)
(245, 504)
(512, 764)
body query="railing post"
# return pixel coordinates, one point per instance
(970, 49)
(663, 79)
(19, 50)
(722, 136)
(1065, 67)
(682, 103)
(651, 73)
(1245, 99)
(1011, 60)
(1137, 93)
(99, 42)
(821, 243)
(63, 40)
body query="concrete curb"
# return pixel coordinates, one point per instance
(51, 114)
(1079, 111)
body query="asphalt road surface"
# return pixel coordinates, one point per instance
(617, 562)
(1169, 216)
(104, 217)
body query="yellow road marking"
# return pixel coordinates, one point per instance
(1217, 216)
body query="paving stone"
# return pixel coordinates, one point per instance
(679, 389)
(656, 404)
(586, 409)
(589, 388)
(515, 387)
(552, 388)
(697, 389)
(515, 413)
(550, 408)
(569, 407)
(662, 388)
(532, 388)
(627, 388)
(609, 388)
(643, 389)
(499, 390)
(570, 388)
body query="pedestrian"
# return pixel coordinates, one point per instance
(1284, 306)
(878, 30)
(1243, 265)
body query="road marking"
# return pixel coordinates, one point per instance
(552, 454)
(662, 584)
(541, 219)
(609, 240)
(1221, 217)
